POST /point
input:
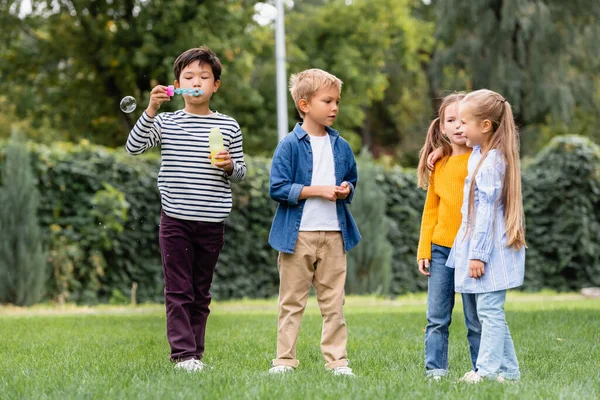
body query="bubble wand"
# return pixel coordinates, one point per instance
(128, 103)
(171, 91)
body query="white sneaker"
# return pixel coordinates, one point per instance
(191, 365)
(471, 377)
(281, 369)
(347, 371)
(436, 378)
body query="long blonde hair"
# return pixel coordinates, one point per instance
(435, 139)
(486, 104)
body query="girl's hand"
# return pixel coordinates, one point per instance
(433, 157)
(424, 266)
(476, 269)
(223, 161)
(158, 95)
(343, 190)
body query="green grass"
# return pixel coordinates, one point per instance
(111, 352)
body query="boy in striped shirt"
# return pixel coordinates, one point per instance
(195, 196)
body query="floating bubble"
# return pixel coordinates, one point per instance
(128, 104)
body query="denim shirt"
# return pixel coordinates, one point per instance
(291, 170)
(486, 241)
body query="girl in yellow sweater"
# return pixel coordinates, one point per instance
(439, 226)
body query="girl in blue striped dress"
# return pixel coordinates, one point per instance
(489, 250)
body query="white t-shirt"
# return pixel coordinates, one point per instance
(320, 214)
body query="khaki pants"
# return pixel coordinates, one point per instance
(319, 259)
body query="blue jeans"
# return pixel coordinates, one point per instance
(497, 353)
(440, 302)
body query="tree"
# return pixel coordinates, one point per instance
(23, 267)
(69, 63)
(542, 55)
(369, 263)
(376, 48)
(65, 66)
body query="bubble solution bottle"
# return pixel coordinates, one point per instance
(215, 142)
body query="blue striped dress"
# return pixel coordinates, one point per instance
(504, 266)
(190, 186)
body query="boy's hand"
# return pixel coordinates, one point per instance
(223, 160)
(424, 266)
(433, 157)
(343, 190)
(476, 269)
(158, 95)
(329, 192)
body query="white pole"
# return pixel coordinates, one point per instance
(282, 120)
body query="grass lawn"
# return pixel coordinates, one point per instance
(122, 353)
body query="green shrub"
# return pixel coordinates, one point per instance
(100, 213)
(247, 265)
(103, 209)
(23, 267)
(369, 263)
(561, 192)
(404, 209)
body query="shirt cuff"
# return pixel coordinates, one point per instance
(351, 194)
(235, 174)
(147, 117)
(294, 194)
(479, 255)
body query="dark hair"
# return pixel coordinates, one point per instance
(202, 54)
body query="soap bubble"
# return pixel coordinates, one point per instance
(128, 104)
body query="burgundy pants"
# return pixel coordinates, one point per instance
(190, 250)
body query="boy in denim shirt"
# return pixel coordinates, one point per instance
(313, 177)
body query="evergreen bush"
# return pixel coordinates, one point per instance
(369, 263)
(23, 269)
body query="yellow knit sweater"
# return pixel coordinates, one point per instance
(441, 214)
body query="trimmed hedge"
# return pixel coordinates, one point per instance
(100, 213)
(102, 210)
(561, 195)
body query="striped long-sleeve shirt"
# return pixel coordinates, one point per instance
(190, 186)
(486, 241)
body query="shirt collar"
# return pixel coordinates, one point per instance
(301, 133)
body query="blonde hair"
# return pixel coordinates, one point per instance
(435, 139)
(488, 105)
(305, 84)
